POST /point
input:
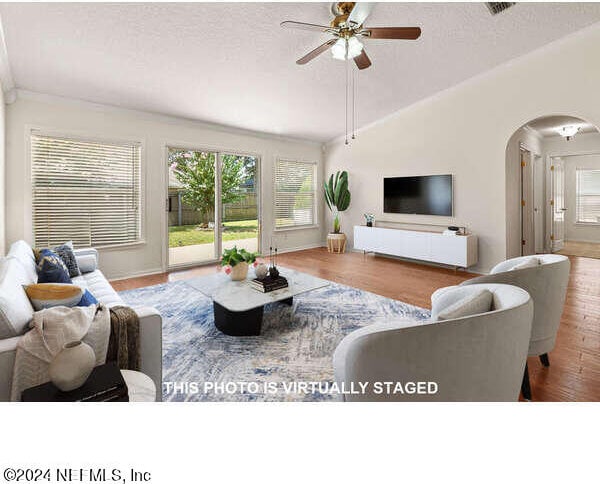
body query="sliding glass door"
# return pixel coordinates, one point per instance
(212, 204)
(239, 202)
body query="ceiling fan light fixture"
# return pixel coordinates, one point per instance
(338, 50)
(345, 49)
(355, 47)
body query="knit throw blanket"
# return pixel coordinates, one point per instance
(124, 344)
(50, 330)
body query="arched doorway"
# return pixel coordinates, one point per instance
(552, 169)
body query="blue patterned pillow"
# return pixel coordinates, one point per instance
(87, 299)
(51, 268)
(65, 252)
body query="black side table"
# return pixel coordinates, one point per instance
(105, 384)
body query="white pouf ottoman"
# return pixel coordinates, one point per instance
(140, 387)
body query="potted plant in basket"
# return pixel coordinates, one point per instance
(236, 262)
(337, 197)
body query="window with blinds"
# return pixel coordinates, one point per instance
(295, 193)
(588, 196)
(85, 191)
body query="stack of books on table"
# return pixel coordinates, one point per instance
(269, 283)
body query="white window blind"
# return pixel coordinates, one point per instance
(85, 191)
(295, 193)
(588, 196)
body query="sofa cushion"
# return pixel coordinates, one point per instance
(65, 252)
(475, 303)
(99, 286)
(49, 295)
(22, 252)
(51, 268)
(15, 309)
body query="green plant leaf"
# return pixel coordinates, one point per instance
(327, 200)
(340, 189)
(344, 201)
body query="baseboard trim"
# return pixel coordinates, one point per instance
(122, 277)
(296, 249)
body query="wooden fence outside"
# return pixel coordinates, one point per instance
(244, 209)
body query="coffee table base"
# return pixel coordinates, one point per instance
(241, 323)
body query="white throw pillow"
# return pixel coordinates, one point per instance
(475, 303)
(15, 309)
(86, 263)
(527, 263)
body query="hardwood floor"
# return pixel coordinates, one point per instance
(581, 249)
(574, 372)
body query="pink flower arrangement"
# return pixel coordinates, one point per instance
(227, 270)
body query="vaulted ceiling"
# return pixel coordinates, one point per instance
(232, 64)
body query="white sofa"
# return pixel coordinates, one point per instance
(473, 358)
(18, 268)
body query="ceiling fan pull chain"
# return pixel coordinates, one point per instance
(354, 103)
(346, 103)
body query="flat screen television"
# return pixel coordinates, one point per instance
(420, 195)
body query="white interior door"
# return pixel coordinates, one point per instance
(538, 202)
(527, 219)
(557, 204)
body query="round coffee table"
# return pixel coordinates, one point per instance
(140, 387)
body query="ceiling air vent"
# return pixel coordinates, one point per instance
(496, 7)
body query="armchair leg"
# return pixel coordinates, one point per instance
(545, 360)
(525, 387)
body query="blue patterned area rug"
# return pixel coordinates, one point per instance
(296, 344)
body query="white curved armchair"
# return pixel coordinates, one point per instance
(474, 358)
(547, 284)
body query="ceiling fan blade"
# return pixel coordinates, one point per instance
(362, 61)
(315, 52)
(288, 24)
(407, 33)
(360, 12)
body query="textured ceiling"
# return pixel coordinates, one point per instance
(232, 64)
(547, 126)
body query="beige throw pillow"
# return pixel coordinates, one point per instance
(476, 303)
(527, 263)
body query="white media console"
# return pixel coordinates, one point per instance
(454, 250)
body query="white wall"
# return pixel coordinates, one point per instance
(465, 131)
(155, 131)
(2, 173)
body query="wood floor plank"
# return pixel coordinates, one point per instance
(574, 372)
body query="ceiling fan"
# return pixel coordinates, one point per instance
(347, 28)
